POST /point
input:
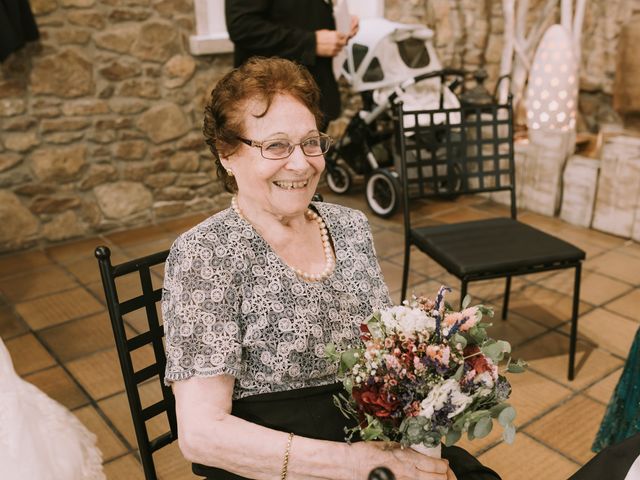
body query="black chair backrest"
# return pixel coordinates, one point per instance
(448, 152)
(153, 336)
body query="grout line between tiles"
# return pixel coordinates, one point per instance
(81, 317)
(571, 386)
(553, 449)
(521, 428)
(619, 313)
(590, 397)
(93, 402)
(38, 297)
(133, 452)
(558, 329)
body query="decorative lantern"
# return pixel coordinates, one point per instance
(553, 84)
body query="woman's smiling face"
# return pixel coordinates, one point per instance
(282, 187)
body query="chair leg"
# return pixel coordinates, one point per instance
(505, 301)
(463, 292)
(405, 271)
(574, 322)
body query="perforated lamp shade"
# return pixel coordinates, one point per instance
(553, 83)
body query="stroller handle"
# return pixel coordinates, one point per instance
(370, 117)
(445, 72)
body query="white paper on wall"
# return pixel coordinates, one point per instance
(579, 183)
(618, 193)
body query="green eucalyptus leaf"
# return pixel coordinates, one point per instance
(432, 439)
(458, 375)
(478, 414)
(414, 430)
(347, 383)
(458, 339)
(515, 368)
(488, 311)
(404, 423)
(348, 359)
(330, 349)
(495, 350)
(518, 366)
(461, 422)
(507, 416)
(452, 437)
(422, 421)
(373, 430)
(478, 334)
(333, 355)
(509, 434)
(491, 350)
(466, 301)
(376, 330)
(470, 434)
(496, 409)
(506, 346)
(483, 427)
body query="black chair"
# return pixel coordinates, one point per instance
(133, 380)
(469, 150)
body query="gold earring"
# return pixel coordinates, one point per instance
(230, 173)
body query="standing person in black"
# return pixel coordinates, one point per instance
(17, 26)
(298, 30)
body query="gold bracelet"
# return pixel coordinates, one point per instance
(285, 463)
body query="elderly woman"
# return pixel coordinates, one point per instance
(254, 293)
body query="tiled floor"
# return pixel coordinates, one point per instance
(54, 322)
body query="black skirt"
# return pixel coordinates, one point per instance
(310, 412)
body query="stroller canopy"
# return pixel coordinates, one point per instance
(386, 53)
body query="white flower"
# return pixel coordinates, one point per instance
(485, 378)
(407, 320)
(443, 394)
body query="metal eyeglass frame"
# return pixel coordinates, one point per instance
(292, 146)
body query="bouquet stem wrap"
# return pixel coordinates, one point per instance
(433, 452)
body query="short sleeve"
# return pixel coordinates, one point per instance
(367, 250)
(201, 310)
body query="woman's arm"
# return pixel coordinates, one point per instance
(210, 435)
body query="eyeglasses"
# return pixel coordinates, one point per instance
(277, 149)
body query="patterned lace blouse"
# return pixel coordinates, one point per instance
(232, 306)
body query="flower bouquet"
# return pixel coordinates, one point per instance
(426, 374)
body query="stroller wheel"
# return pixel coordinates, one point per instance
(338, 179)
(383, 192)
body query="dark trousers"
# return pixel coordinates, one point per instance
(310, 412)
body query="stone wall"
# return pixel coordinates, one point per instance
(101, 119)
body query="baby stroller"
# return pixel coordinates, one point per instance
(386, 62)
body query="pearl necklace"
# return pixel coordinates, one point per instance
(329, 262)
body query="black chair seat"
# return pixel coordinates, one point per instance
(498, 245)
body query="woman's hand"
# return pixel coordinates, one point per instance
(405, 464)
(329, 42)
